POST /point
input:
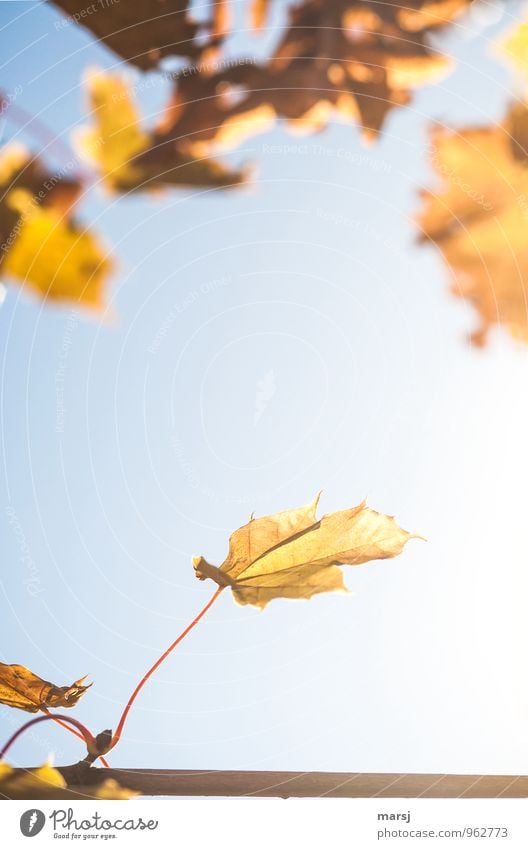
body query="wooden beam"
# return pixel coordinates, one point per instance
(344, 785)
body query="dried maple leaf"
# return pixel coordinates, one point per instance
(413, 15)
(349, 59)
(294, 555)
(20, 170)
(130, 158)
(46, 782)
(42, 246)
(21, 688)
(143, 31)
(478, 218)
(352, 59)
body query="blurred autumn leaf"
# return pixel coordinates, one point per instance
(340, 61)
(294, 555)
(42, 245)
(142, 32)
(21, 688)
(131, 158)
(514, 48)
(258, 13)
(349, 60)
(353, 60)
(478, 218)
(46, 782)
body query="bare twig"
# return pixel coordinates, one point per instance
(157, 664)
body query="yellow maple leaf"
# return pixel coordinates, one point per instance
(21, 688)
(514, 47)
(111, 789)
(53, 256)
(36, 783)
(130, 158)
(293, 555)
(116, 137)
(478, 218)
(13, 157)
(46, 782)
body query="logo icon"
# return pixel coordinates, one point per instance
(264, 392)
(32, 822)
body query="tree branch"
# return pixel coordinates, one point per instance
(345, 785)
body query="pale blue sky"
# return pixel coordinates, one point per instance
(267, 343)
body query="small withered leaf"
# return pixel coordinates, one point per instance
(21, 688)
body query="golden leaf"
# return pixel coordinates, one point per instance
(478, 218)
(20, 170)
(42, 246)
(294, 555)
(117, 136)
(46, 782)
(54, 257)
(514, 48)
(111, 789)
(21, 688)
(40, 783)
(131, 159)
